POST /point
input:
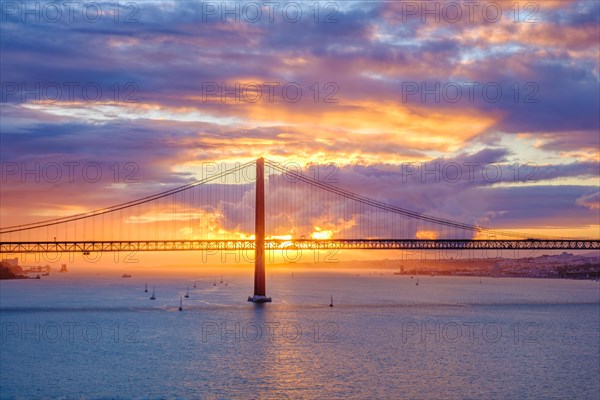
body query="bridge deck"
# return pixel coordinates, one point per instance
(340, 244)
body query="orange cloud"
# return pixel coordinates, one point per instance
(426, 235)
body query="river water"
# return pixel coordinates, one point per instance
(69, 336)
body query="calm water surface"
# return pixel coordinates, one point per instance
(385, 337)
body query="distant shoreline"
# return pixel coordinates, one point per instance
(6, 274)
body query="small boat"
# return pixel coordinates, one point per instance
(125, 276)
(417, 282)
(331, 304)
(180, 304)
(146, 289)
(38, 277)
(153, 291)
(187, 294)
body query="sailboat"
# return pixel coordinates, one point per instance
(187, 293)
(215, 284)
(146, 289)
(221, 278)
(180, 304)
(331, 304)
(194, 284)
(153, 291)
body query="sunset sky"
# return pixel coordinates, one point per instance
(515, 87)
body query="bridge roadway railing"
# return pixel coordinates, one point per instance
(299, 244)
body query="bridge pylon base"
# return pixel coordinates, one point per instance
(259, 299)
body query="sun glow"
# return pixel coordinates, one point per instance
(320, 234)
(280, 237)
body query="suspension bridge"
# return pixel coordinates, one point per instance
(230, 211)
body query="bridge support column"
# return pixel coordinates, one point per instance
(260, 295)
